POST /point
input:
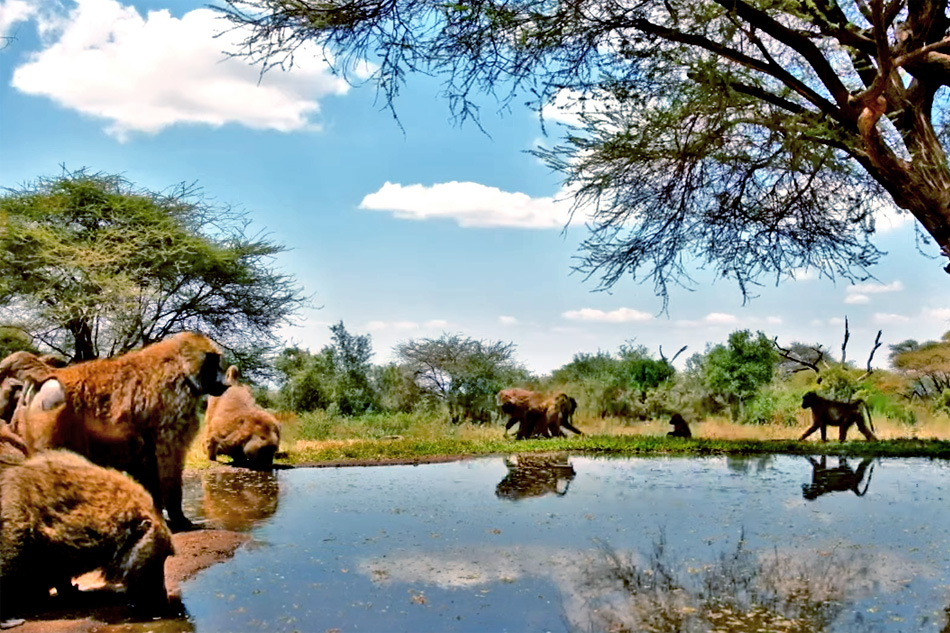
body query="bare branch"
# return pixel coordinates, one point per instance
(844, 344)
(877, 344)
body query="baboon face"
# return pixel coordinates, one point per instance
(212, 378)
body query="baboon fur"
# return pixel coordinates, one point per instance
(18, 371)
(62, 516)
(680, 427)
(827, 413)
(137, 412)
(536, 413)
(237, 427)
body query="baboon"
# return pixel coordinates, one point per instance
(17, 372)
(10, 391)
(137, 412)
(680, 427)
(827, 412)
(237, 427)
(825, 480)
(535, 476)
(62, 516)
(536, 413)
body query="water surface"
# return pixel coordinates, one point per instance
(582, 544)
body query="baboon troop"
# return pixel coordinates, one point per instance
(537, 414)
(680, 427)
(137, 412)
(827, 412)
(237, 427)
(62, 516)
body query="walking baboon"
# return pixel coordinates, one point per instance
(237, 427)
(62, 516)
(537, 414)
(825, 480)
(680, 427)
(137, 412)
(827, 412)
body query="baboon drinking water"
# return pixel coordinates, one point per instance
(827, 412)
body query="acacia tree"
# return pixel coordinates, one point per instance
(753, 136)
(91, 266)
(461, 372)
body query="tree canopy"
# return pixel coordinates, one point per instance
(92, 266)
(735, 371)
(752, 137)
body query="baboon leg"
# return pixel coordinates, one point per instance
(824, 431)
(866, 431)
(171, 461)
(843, 432)
(811, 429)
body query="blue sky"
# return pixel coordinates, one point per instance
(401, 232)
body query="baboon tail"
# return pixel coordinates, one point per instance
(867, 410)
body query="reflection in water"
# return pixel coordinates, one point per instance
(749, 464)
(535, 476)
(239, 499)
(825, 480)
(742, 591)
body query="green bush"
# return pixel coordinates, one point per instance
(772, 406)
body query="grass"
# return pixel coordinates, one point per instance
(318, 438)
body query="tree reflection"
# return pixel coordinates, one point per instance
(741, 592)
(840, 478)
(535, 476)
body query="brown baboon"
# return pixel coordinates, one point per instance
(827, 412)
(10, 391)
(535, 476)
(137, 412)
(825, 480)
(558, 411)
(62, 516)
(237, 427)
(536, 413)
(680, 427)
(17, 371)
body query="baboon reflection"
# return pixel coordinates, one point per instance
(535, 476)
(239, 499)
(840, 478)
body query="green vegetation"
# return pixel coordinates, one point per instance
(92, 266)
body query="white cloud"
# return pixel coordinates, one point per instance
(854, 299)
(146, 74)
(720, 318)
(875, 288)
(620, 315)
(403, 326)
(774, 320)
(885, 318)
(940, 314)
(470, 204)
(507, 320)
(13, 12)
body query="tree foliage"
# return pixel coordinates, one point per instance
(928, 362)
(91, 266)
(736, 370)
(461, 372)
(753, 137)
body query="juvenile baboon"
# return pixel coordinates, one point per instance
(537, 414)
(680, 427)
(237, 427)
(62, 516)
(827, 412)
(841, 478)
(137, 412)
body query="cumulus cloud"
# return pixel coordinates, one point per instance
(620, 315)
(885, 318)
(940, 314)
(856, 299)
(719, 318)
(774, 320)
(875, 288)
(144, 74)
(507, 320)
(469, 204)
(403, 326)
(13, 12)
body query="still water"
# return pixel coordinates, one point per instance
(776, 543)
